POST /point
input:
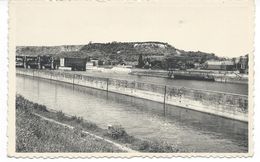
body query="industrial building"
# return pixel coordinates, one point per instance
(220, 65)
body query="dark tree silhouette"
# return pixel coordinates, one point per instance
(140, 61)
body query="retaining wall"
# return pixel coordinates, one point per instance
(228, 105)
(218, 76)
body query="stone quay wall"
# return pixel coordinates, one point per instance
(233, 106)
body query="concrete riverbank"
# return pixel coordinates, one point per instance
(217, 76)
(222, 104)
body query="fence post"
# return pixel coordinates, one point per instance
(133, 88)
(51, 75)
(107, 83)
(73, 79)
(164, 98)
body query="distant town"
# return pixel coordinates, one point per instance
(143, 55)
(155, 59)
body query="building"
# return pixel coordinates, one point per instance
(73, 63)
(20, 61)
(94, 62)
(220, 65)
(179, 62)
(242, 65)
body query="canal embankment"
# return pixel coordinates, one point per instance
(217, 76)
(40, 129)
(229, 105)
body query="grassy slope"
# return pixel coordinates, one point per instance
(36, 135)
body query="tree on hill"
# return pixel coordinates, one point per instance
(140, 61)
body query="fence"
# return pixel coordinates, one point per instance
(228, 105)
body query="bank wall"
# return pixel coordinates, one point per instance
(217, 76)
(232, 106)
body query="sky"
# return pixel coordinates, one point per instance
(224, 27)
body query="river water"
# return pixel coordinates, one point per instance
(189, 130)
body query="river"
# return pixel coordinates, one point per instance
(190, 130)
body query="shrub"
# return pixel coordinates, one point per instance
(89, 125)
(60, 115)
(116, 131)
(79, 119)
(40, 107)
(73, 117)
(156, 146)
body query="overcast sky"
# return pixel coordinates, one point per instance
(221, 27)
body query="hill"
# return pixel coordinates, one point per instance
(115, 51)
(46, 50)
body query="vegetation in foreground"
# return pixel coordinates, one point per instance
(36, 135)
